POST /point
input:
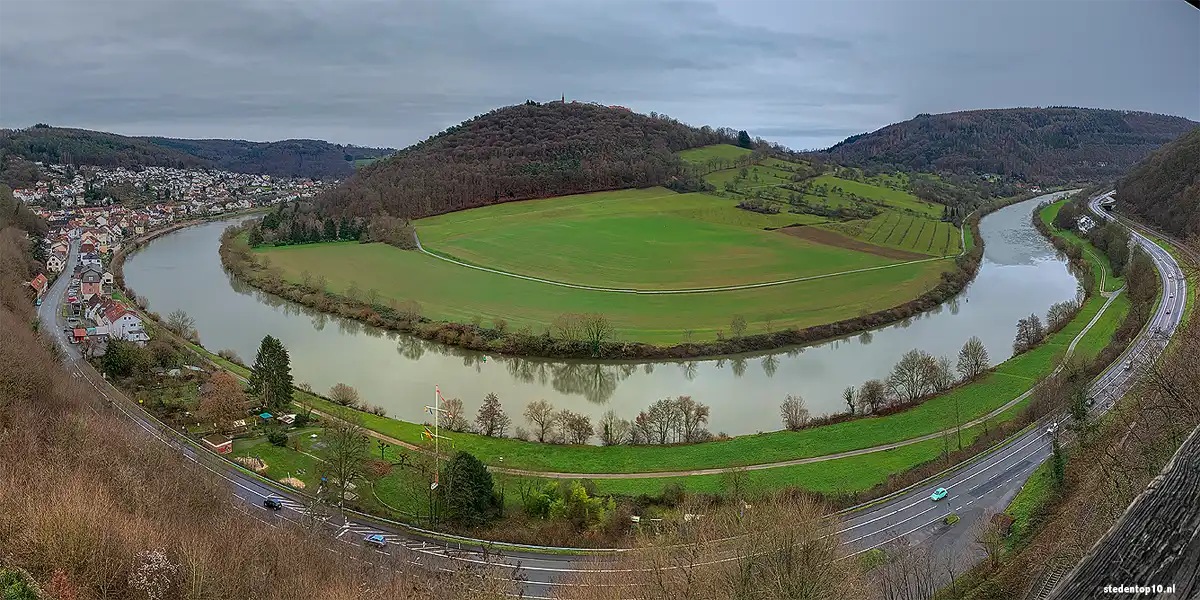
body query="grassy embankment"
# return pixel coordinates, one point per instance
(1105, 279)
(647, 239)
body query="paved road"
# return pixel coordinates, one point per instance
(907, 518)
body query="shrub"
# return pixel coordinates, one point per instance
(277, 437)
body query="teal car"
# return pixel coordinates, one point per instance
(938, 494)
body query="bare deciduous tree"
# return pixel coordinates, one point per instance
(793, 412)
(454, 418)
(911, 377)
(344, 455)
(693, 416)
(222, 401)
(872, 395)
(596, 330)
(540, 414)
(491, 420)
(1030, 333)
(737, 326)
(568, 327)
(344, 394)
(972, 358)
(180, 322)
(614, 430)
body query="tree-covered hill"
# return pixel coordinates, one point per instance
(1164, 188)
(85, 147)
(1042, 145)
(287, 158)
(520, 152)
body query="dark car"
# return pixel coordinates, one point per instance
(272, 503)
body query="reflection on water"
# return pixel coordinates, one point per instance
(1020, 274)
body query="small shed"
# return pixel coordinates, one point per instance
(221, 444)
(78, 334)
(266, 416)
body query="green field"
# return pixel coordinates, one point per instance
(707, 153)
(645, 239)
(648, 239)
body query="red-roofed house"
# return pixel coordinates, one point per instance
(121, 323)
(39, 284)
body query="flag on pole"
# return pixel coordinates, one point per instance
(428, 434)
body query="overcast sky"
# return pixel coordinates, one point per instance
(805, 73)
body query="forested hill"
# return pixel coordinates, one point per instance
(84, 147)
(521, 152)
(288, 158)
(1164, 188)
(1040, 145)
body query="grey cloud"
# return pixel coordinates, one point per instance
(391, 73)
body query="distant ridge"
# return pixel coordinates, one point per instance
(287, 158)
(1042, 145)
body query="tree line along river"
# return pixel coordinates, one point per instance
(1020, 274)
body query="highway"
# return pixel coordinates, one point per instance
(906, 518)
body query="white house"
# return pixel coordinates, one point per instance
(121, 323)
(56, 262)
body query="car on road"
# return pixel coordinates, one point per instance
(1128, 365)
(938, 494)
(1052, 428)
(1168, 310)
(273, 503)
(1172, 295)
(375, 539)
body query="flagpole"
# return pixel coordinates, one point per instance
(437, 455)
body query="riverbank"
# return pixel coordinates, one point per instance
(1106, 280)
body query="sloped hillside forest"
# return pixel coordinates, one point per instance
(525, 151)
(1048, 146)
(1164, 188)
(288, 158)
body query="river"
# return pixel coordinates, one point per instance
(1020, 274)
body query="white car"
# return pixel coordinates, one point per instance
(1128, 365)
(1052, 428)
